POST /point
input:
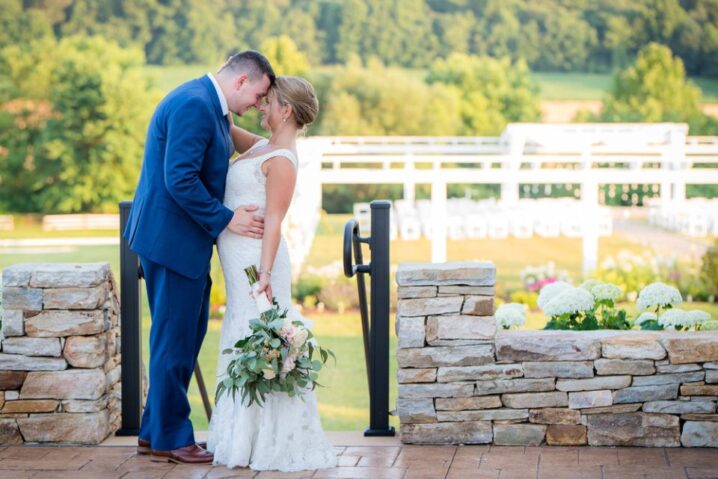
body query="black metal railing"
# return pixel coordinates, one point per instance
(375, 329)
(131, 334)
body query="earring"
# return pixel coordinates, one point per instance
(284, 120)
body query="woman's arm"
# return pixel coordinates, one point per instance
(242, 139)
(281, 178)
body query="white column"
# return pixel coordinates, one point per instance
(677, 158)
(589, 207)
(512, 163)
(409, 183)
(438, 218)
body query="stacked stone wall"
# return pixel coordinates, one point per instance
(461, 381)
(60, 356)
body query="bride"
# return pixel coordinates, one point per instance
(285, 433)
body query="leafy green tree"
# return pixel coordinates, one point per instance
(655, 89)
(74, 144)
(492, 92)
(285, 57)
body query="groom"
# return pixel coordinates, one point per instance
(176, 216)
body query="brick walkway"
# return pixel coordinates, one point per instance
(379, 462)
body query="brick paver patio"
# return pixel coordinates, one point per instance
(390, 460)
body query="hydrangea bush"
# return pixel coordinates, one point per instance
(510, 315)
(590, 306)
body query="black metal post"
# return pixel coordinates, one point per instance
(131, 330)
(379, 331)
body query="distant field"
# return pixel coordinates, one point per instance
(554, 86)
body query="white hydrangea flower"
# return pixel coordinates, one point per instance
(511, 314)
(602, 291)
(674, 317)
(550, 291)
(698, 317)
(606, 291)
(571, 300)
(658, 294)
(645, 316)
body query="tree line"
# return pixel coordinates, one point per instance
(549, 35)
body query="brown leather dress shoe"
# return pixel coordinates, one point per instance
(144, 448)
(192, 454)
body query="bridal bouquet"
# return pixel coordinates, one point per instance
(277, 356)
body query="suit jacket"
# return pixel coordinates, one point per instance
(177, 212)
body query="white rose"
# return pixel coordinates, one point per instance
(268, 373)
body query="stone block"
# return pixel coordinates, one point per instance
(699, 390)
(9, 430)
(411, 332)
(70, 384)
(535, 400)
(18, 362)
(13, 323)
(600, 382)
(445, 356)
(460, 327)
(645, 393)
(412, 391)
(700, 434)
(712, 376)
(76, 298)
(429, 306)
(444, 274)
(678, 368)
(555, 415)
(29, 406)
(633, 429)
(558, 369)
(91, 428)
(62, 323)
(17, 275)
(483, 373)
(78, 405)
(12, 379)
(589, 399)
(694, 347)
(519, 434)
(27, 299)
(412, 292)
(467, 290)
(633, 346)
(499, 386)
(617, 409)
(416, 411)
(423, 375)
(482, 415)
(678, 378)
(710, 365)
(546, 346)
(634, 367)
(680, 407)
(468, 403)
(59, 275)
(700, 417)
(479, 432)
(32, 346)
(478, 306)
(566, 435)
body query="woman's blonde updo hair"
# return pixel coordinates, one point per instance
(298, 93)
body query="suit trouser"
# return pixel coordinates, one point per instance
(180, 309)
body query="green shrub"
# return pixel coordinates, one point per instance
(709, 269)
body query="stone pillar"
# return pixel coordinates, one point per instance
(444, 318)
(60, 358)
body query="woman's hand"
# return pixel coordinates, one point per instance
(265, 285)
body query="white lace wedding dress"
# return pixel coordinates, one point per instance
(284, 434)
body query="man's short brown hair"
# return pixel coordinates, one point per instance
(252, 63)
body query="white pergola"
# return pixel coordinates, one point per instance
(589, 154)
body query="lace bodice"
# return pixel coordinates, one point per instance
(245, 179)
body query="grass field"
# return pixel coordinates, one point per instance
(554, 86)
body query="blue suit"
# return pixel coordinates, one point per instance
(176, 216)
